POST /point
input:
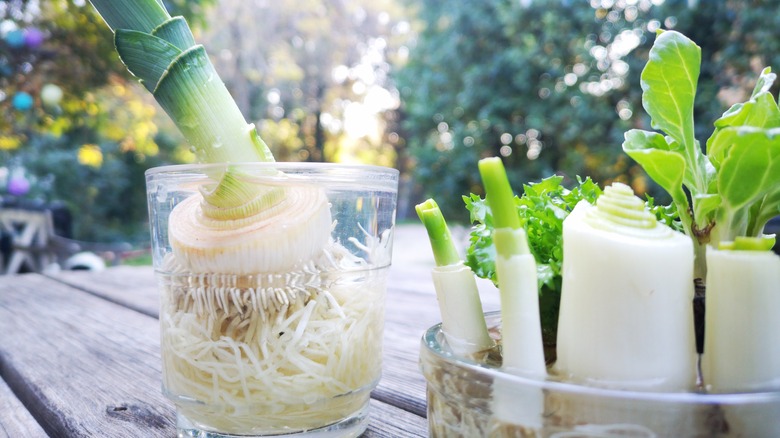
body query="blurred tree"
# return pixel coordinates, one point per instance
(315, 70)
(74, 125)
(552, 85)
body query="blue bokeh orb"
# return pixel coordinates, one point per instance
(23, 101)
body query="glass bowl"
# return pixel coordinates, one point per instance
(471, 397)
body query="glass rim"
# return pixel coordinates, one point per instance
(200, 167)
(431, 345)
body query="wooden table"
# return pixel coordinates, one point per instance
(79, 352)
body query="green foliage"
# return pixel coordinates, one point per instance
(559, 80)
(496, 78)
(734, 189)
(541, 210)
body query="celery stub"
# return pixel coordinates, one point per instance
(463, 322)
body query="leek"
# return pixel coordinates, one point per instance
(625, 319)
(161, 51)
(521, 333)
(724, 199)
(742, 342)
(463, 322)
(257, 337)
(522, 350)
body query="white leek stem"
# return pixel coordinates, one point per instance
(742, 323)
(521, 330)
(522, 347)
(626, 317)
(463, 322)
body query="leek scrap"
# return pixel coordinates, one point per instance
(463, 322)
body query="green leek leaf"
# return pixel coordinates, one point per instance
(194, 96)
(669, 85)
(177, 32)
(664, 165)
(146, 56)
(751, 168)
(141, 15)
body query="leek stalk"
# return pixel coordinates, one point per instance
(742, 342)
(521, 333)
(216, 230)
(463, 322)
(625, 319)
(161, 51)
(522, 350)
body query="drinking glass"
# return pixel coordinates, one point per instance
(290, 348)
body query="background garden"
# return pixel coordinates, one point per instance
(427, 86)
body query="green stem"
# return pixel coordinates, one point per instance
(502, 204)
(444, 251)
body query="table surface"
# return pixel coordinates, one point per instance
(79, 351)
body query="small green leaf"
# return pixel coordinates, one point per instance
(752, 168)
(768, 208)
(764, 83)
(146, 56)
(742, 243)
(665, 166)
(761, 111)
(706, 205)
(669, 85)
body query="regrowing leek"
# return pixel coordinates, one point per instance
(742, 342)
(626, 320)
(463, 323)
(161, 52)
(269, 323)
(628, 317)
(521, 333)
(724, 199)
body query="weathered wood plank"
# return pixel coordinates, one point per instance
(131, 286)
(84, 366)
(388, 421)
(15, 420)
(99, 374)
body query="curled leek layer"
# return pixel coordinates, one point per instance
(618, 210)
(249, 231)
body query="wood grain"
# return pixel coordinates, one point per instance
(15, 420)
(83, 365)
(134, 287)
(86, 361)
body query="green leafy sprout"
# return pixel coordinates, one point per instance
(733, 190)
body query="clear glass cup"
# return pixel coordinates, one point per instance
(283, 335)
(470, 397)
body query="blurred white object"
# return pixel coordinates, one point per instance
(87, 261)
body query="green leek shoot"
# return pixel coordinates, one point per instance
(522, 349)
(463, 322)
